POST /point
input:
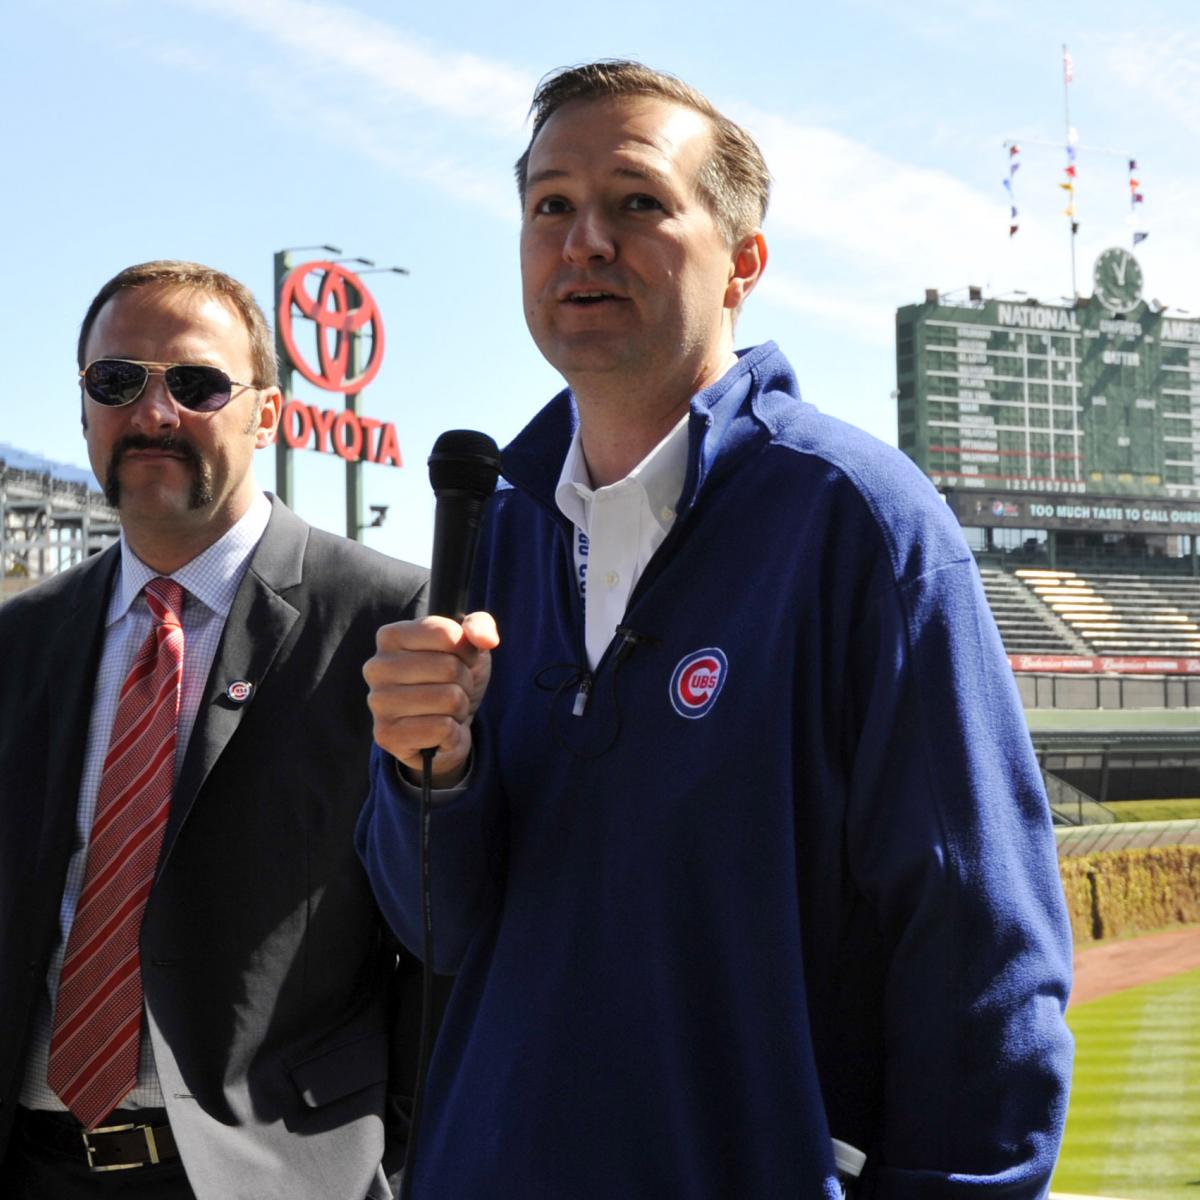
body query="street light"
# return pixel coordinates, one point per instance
(296, 249)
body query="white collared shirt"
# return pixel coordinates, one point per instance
(210, 581)
(616, 531)
(618, 528)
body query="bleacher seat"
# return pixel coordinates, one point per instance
(1139, 615)
(1026, 625)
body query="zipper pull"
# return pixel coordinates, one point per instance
(581, 696)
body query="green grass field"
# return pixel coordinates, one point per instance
(1119, 720)
(1155, 810)
(1133, 1126)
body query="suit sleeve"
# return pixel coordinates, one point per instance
(950, 839)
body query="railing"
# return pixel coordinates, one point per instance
(1087, 691)
(1076, 807)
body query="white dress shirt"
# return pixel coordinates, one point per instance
(618, 528)
(210, 582)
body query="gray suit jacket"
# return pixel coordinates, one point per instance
(282, 1013)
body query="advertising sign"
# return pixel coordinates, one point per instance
(1108, 514)
(1060, 664)
(342, 312)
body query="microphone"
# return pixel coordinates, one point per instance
(462, 471)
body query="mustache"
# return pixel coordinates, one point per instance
(170, 444)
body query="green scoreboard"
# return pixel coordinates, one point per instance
(1100, 399)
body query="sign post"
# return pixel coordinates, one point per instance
(354, 491)
(283, 456)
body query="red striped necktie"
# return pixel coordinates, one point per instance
(96, 1037)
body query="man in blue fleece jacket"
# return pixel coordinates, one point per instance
(740, 846)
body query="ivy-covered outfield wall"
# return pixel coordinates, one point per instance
(1117, 892)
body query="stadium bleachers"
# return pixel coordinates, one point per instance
(1113, 614)
(1027, 625)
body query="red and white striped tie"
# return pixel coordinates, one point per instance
(96, 1037)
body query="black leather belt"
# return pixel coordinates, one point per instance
(140, 1142)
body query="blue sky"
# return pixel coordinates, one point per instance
(223, 130)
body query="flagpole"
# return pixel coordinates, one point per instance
(1067, 123)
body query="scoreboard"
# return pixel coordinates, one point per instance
(1099, 399)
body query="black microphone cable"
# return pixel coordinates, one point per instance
(425, 1042)
(463, 467)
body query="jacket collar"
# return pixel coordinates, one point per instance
(750, 402)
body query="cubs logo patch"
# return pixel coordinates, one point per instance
(697, 681)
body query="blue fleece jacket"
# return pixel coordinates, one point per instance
(788, 874)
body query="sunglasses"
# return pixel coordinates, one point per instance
(115, 382)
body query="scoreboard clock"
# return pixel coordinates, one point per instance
(1117, 280)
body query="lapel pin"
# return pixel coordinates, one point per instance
(240, 690)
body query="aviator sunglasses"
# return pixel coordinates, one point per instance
(115, 382)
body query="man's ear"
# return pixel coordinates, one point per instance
(748, 263)
(270, 410)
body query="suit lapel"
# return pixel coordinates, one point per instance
(73, 658)
(258, 625)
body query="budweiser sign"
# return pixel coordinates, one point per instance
(1060, 664)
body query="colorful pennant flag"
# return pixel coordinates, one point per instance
(1136, 197)
(1070, 170)
(1014, 165)
(1068, 66)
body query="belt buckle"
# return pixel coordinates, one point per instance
(151, 1147)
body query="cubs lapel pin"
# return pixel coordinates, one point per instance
(239, 691)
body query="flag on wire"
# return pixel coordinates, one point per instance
(1014, 165)
(1136, 197)
(1070, 170)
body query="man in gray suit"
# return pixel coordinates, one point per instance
(269, 1042)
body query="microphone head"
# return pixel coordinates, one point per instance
(464, 460)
